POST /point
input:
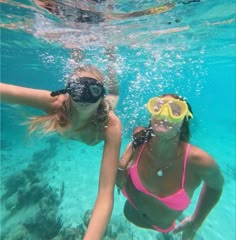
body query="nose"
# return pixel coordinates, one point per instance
(164, 110)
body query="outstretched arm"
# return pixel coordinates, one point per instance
(35, 98)
(104, 202)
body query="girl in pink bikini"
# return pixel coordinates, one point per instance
(159, 171)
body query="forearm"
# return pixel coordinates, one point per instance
(35, 98)
(207, 200)
(100, 217)
(9, 93)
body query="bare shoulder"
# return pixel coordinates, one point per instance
(200, 158)
(205, 167)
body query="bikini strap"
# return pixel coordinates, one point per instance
(185, 163)
(139, 155)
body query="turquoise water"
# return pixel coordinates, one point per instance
(194, 57)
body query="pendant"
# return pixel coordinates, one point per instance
(160, 173)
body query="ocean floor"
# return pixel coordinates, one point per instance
(49, 184)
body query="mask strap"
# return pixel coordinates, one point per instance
(58, 92)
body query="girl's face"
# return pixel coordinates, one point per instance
(87, 106)
(85, 91)
(165, 128)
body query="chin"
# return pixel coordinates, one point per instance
(161, 132)
(162, 126)
(85, 105)
(82, 105)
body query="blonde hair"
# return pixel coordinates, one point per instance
(89, 69)
(61, 119)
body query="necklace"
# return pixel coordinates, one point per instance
(160, 171)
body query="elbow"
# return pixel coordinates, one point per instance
(215, 182)
(213, 191)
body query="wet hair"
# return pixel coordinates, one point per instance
(141, 135)
(184, 130)
(61, 119)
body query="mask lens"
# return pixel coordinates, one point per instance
(86, 90)
(96, 90)
(171, 109)
(176, 109)
(158, 105)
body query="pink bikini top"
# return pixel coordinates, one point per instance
(178, 201)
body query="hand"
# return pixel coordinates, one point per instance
(186, 226)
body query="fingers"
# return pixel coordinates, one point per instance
(183, 225)
(178, 229)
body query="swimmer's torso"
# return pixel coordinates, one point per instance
(89, 134)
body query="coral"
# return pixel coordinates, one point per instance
(27, 190)
(68, 233)
(109, 233)
(45, 225)
(19, 232)
(31, 174)
(86, 217)
(13, 183)
(12, 202)
(41, 159)
(43, 155)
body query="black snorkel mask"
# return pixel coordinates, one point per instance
(83, 90)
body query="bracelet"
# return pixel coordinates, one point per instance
(121, 169)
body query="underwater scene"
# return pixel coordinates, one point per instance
(49, 184)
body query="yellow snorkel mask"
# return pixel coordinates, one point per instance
(168, 108)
